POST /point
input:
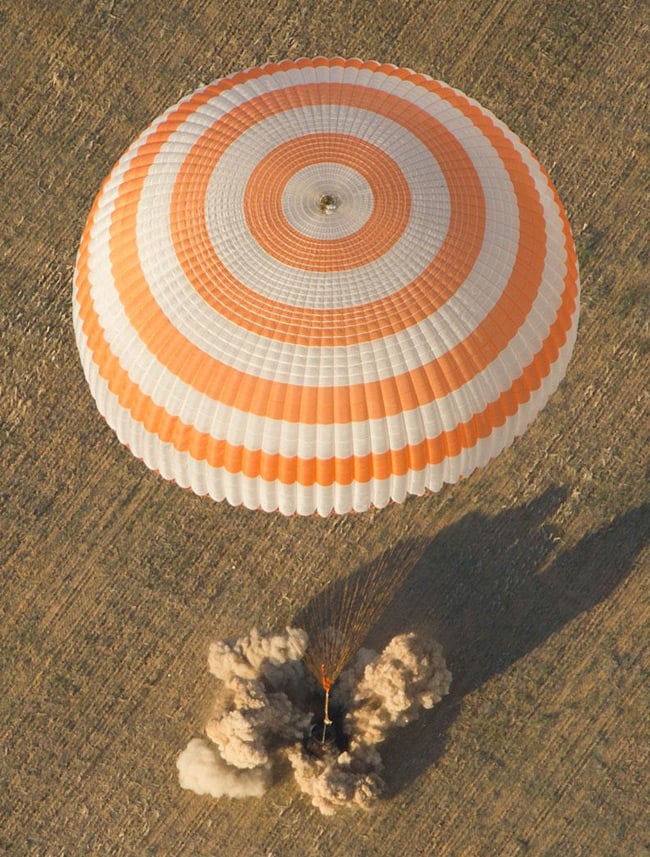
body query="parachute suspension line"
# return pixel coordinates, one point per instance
(327, 686)
(338, 619)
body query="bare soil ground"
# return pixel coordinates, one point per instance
(536, 570)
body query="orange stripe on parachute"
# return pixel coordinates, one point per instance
(270, 228)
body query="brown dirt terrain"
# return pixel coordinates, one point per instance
(536, 570)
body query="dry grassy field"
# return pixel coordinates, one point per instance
(536, 569)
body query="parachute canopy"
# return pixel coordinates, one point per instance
(322, 285)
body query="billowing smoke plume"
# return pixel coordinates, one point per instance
(202, 770)
(382, 691)
(262, 714)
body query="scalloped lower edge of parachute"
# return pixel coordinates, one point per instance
(256, 493)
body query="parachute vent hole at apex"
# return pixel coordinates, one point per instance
(329, 203)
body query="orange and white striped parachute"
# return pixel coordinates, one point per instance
(323, 285)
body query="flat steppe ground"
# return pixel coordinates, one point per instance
(535, 571)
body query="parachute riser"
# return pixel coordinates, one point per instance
(327, 685)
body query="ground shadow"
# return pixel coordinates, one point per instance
(484, 589)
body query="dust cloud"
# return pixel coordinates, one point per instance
(267, 710)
